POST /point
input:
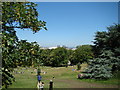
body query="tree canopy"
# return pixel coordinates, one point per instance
(22, 15)
(82, 54)
(106, 51)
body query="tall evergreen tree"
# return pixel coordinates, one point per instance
(107, 51)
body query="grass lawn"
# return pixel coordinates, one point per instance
(64, 78)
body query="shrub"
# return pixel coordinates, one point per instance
(38, 71)
(78, 66)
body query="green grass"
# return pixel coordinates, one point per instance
(110, 81)
(64, 78)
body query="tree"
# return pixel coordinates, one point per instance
(109, 41)
(71, 56)
(23, 52)
(107, 51)
(22, 15)
(58, 57)
(81, 54)
(28, 53)
(100, 68)
(84, 53)
(100, 42)
(45, 57)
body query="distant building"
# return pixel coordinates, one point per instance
(73, 48)
(52, 47)
(44, 47)
(68, 48)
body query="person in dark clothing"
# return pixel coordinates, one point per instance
(39, 77)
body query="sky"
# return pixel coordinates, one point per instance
(71, 23)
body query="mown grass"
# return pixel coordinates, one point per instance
(29, 80)
(63, 78)
(111, 81)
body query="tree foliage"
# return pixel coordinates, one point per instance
(107, 51)
(45, 57)
(100, 68)
(58, 57)
(54, 57)
(22, 15)
(28, 53)
(108, 40)
(84, 53)
(81, 54)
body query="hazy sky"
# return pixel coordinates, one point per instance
(71, 23)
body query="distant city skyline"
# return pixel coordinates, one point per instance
(71, 23)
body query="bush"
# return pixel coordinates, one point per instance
(78, 66)
(38, 71)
